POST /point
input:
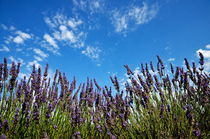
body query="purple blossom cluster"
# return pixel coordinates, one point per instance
(153, 104)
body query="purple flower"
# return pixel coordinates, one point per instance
(201, 58)
(188, 115)
(111, 135)
(168, 106)
(98, 127)
(6, 125)
(77, 135)
(16, 116)
(5, 69)
(18, 68)
(161, 110)
(19, 90)
(124, 124)
(3, 136)
(152, 67)
(188, 107)
(48, 115)
(187, 64)
(1, 71)
(194, 67)
(55, 126)
(128, 70)
(96, 84)
(46, 71)
(197, 132)
(172, 69)
(36, 113)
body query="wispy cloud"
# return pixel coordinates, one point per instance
(40, 53)
(31, 63)
(16, 60)
(4, 27)
(21, 37)
(73, 30)
(37, 58)
(126, 19)
(65, 34)
(65, 30)
(171, 59)
(51, 49)
(70, 31)
(73, 23)
(4, 49)
(50, 40)
(90, 6)
(61, 19)
(208, 46)
(92, 52)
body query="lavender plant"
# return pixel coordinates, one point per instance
(152, 104)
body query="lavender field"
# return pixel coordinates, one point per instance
(160, 105)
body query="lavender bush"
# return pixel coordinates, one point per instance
(152, 104)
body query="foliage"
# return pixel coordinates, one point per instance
(151, 104)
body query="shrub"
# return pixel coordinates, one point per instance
(152, 104)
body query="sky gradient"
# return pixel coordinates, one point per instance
(95, 38)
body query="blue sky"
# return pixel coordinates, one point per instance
(95, 38)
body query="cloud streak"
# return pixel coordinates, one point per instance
(21, 37)
(92, 52)
(125, 19)
(51, 41)
(40, 53)
(4, 49)
(70, 31)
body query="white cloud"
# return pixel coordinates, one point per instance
(19, 49)
(50, 49)
(31, 63)
(50, 40)
(96, 4)
(206, 53)
(80, 3)
(90, 6)
(4, 27)
(171, 59)
(120, 22)
(92, 52)
(21, 37)
(142, 14)
(12, 59)
(12, 28)
(4, 49)
(18, 40)
(208, 46)
(16, 60)
(65, 30)
(21, 75)
(61, 19)
(37, 58)
(48, 21)
(8, 39)
(124, 20)
(98, 64)
(40, 53)
(66, 34)
(73, 23)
